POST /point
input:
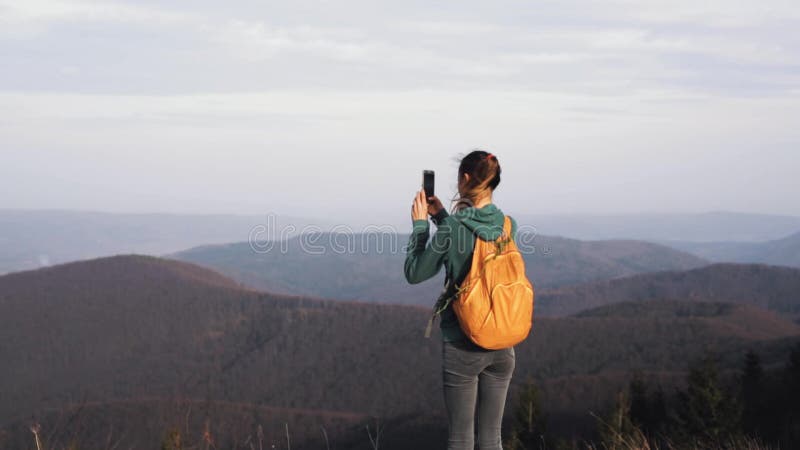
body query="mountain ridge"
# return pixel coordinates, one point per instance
(774, 286)
(784, 251)
(31, 238)
(371, 274)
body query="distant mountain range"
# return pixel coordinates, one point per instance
(781, 252)
(701, 227)
(370, 267)
(772, 288)
(138, 345)
(31, 239)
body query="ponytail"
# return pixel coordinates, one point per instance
(483, 169)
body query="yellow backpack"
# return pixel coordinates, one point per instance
(494, 303)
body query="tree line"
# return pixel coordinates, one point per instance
(755, 407)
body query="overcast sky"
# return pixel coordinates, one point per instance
(333, 108)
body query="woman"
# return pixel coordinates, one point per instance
(471, 374)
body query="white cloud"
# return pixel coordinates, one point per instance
(48, 11)
(729, 14)
(563, 46)
(592, 86)
(258, 41)
(448, 28)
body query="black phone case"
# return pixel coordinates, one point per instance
(428, 178)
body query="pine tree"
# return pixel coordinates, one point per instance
(792, 379)
(617, 430)
(640, 404)
(752, 394)
(659, 414)
(706, 413)
(648, 409)
(790, 420)
(529, 422)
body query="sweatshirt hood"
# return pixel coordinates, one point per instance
(485, 222)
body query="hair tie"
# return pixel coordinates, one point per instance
(488, 156)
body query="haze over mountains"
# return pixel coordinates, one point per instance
(700, 227)
(30, 239)
(781, 252)
(370, 267)
(137, 339)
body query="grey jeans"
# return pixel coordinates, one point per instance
(475, 378)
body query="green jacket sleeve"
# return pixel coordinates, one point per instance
(424, 259)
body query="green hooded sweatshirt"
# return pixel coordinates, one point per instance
(451, 246)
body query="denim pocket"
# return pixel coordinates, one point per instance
(463, 352)
(511, 355)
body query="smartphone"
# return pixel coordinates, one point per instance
(427, 183)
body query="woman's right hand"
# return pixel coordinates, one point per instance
(434, 205)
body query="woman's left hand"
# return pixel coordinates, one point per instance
(419, 210)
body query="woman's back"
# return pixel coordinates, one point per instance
(473, 378)
(452, 245)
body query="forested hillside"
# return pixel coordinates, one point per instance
(769, 287)
(125, 340)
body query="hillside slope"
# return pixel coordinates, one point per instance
(769, 287)
(132, 329)
(370, 267)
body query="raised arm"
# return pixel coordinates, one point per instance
(424, 259)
